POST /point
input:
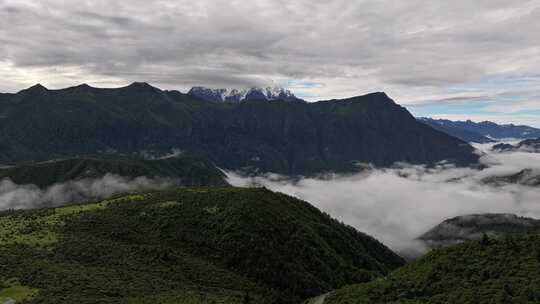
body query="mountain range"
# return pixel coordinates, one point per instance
(218, 244)
(482, 132)
(239, 95)
(529, 145)
(38, 124)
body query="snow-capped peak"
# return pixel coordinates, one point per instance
(238, 95)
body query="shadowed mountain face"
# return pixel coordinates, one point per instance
(482, 132)
(187, 171)
(276, 136)
(473, 227)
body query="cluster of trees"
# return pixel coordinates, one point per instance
(486, 271)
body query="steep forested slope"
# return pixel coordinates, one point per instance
(496, 271)
(187, 170)
(194, 245)
(474, 226)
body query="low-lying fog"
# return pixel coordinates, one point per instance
(13, 196)
(398, 205)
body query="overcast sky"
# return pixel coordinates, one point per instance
(458, 59)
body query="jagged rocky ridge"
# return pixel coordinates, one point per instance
(528, 145)
(239, 95)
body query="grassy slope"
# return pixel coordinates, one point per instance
(196, 245)
(504, 271)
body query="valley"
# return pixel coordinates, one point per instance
(226, 198)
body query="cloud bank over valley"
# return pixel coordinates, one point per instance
(397, 205)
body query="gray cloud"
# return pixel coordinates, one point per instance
(13, 196)
(398, 205)
(413, 50)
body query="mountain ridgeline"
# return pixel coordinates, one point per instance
(481, 132)
(529, 145)
(284, 137)
(239, 95)
(184, 170)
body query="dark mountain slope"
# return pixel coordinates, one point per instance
(474, 226)
(450, 128)
(503, 271)
(197, 245)
(278, 136)
(527, 177)
(189, 171)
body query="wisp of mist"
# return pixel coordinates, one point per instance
(398, 205)
(13, 196)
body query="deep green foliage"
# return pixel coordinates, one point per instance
(282, 137)
(193, 245)
(190, 171)
(488, 272)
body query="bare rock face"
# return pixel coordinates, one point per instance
(238, 95)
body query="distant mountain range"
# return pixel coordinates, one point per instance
(482, 132)
(238, 95)
(275, 135)
(528, 145)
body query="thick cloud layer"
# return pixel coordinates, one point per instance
(13, 196)
(418, 51)
(398, 205)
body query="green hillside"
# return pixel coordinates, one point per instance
(191, 245)
(502, 271)
(189, 171)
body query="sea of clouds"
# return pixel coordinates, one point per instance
(397, 205)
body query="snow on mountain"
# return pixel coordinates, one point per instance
(238, 95)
